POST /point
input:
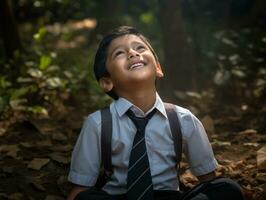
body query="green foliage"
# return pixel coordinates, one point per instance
(39, 83)
(147, 18)
(236, 59)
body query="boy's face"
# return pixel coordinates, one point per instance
(129, 62)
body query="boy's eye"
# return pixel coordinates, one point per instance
(118, 53)
(140, 47)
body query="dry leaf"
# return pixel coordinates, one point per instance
(44, 143)
(261, 159)
(261, 177)
(59, 136)
(220, 143)
(59, 158)
(37, 186)
(208, 124)
(252, 144)
(53, 197)
(248, 132)
(16, 196)
(62, 148)
(26, 144)
(38, 163)
(10, 150)
(62, 180)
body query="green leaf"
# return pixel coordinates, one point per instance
(35, 73)
(147, 17)
(54, 82)
(40, 35)
(45, 61)
(38, 110)
(4, 102)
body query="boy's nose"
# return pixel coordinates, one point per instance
(132, 53)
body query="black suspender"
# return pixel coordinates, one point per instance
(106, 148)
(106, 138)
(175, 130)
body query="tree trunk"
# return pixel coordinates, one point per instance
(108, 16)
(178, 62)
(8, 29)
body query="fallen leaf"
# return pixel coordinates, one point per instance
(220, 143)
(261, 177)
(248, 132)
(38, 163)
(15, 196)
(26, 144)
(261, 159)
(252, 144)
(62, 180)
(59, 136)
(10, 150)
(53, 197)
(59, 158)
(208, 124)
(62, 148)
(44, 143)
(37, 186)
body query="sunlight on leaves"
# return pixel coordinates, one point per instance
(35, 73)
(221, 77)
(40, 35)
(45, 61)
(261, 159)
(54, 82)
(238, 73)
(147, 17)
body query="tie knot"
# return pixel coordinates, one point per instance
(140, 122)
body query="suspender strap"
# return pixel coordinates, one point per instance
(106, 148)
(175, 129)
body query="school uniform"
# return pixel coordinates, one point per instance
(86, 156)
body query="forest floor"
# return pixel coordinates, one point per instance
(35, 152)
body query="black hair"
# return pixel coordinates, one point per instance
(100, 69)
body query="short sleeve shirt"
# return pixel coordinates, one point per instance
(86, 156)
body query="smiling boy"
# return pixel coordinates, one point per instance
(127, 67)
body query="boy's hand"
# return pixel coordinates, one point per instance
(74, 192)
(207, 177)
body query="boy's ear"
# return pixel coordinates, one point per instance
(106, 84)
(159, 71)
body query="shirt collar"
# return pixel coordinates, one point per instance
(122, 105)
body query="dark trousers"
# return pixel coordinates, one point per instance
(217, 189)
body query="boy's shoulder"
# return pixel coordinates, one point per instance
(182, 110)
(94, 117)
(184, 113)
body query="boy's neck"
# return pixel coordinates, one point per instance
(143, 100)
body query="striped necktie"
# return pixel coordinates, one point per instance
(139, 181)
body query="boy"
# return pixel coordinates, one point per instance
(127, 67)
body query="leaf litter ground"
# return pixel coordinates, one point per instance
(35, 154)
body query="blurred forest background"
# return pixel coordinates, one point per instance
(212, 53)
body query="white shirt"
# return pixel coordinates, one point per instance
(86, 157)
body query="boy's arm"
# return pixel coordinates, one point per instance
(207, 177)
(75, 190)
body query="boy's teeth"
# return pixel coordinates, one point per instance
(136, 65)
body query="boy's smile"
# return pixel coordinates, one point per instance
(137, 65)
(130, 62)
